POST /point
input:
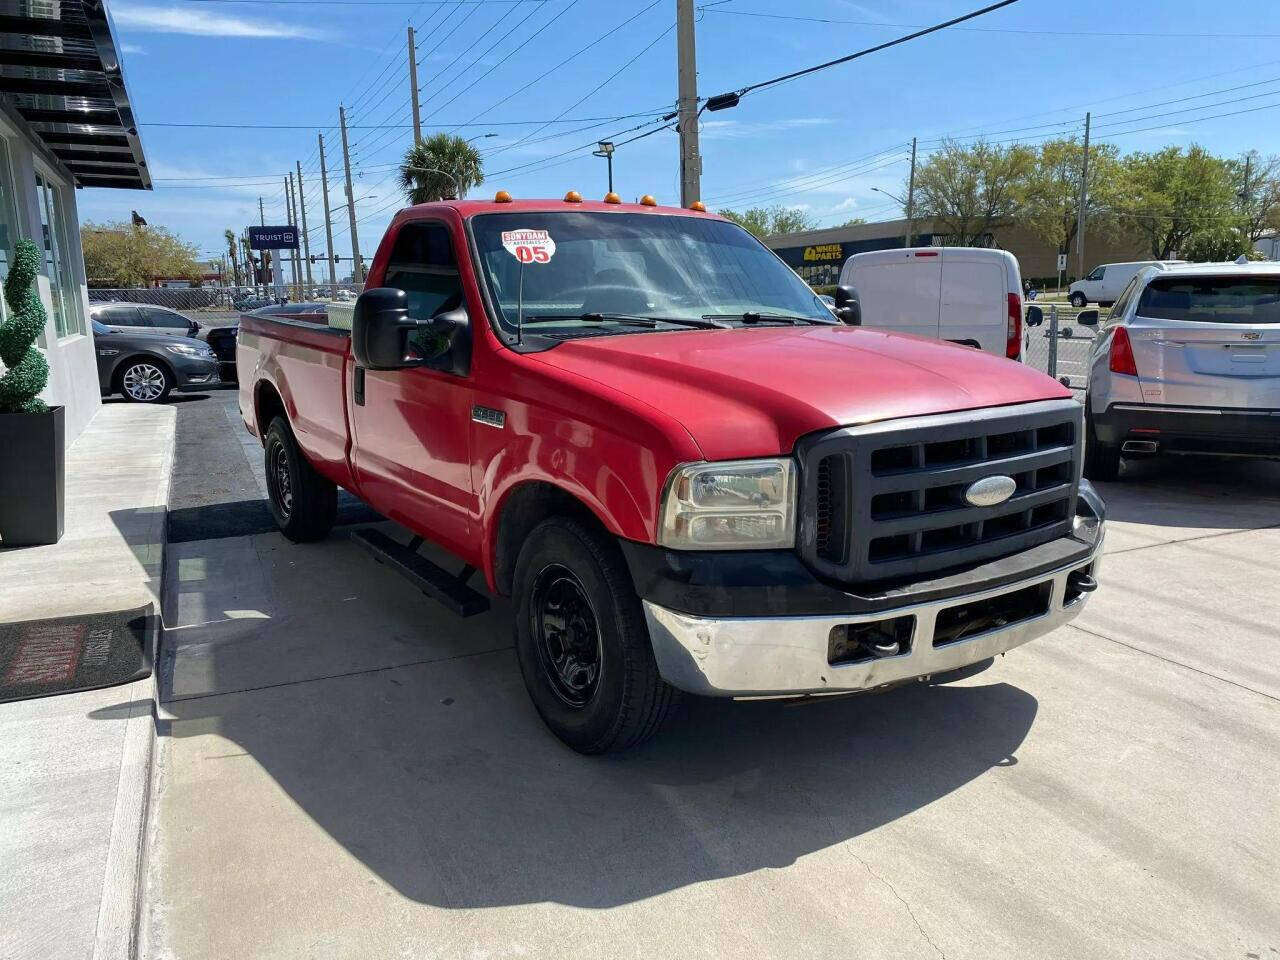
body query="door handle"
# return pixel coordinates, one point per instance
(357, 387)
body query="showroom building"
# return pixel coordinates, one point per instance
(65, 123)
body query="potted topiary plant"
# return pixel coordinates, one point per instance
(31, 432)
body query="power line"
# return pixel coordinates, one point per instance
(1047, 33)
(796, 74)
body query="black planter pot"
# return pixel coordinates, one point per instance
(31, 478)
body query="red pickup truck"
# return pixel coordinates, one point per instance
(644, 428)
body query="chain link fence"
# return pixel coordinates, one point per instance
(222, 306)
(1059, 346)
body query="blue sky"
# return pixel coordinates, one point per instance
(822, 142)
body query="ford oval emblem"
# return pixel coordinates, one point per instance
(989, 491)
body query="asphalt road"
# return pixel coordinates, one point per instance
(348, 771)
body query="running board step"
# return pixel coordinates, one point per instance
(432, 579)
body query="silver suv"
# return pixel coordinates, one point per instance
(1188, 361)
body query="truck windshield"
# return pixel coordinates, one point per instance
(1238, 299)
(581, 270)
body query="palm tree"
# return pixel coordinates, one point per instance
(440, 166)
(230, 237)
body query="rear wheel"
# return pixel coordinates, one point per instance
(302, 502)
(581, 640)
(1078, 300)
(1101, 460)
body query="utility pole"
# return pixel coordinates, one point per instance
(911, 194)
(357, 268)
(413, 87)
(328, 220)
(687, 57)
(306, 241)
(288, 214)
(1084, 197)
(262, 254)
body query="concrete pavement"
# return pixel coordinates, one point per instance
(348, 771)
(77, 766)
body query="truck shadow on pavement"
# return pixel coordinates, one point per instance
(1190, 491)
(441, 779)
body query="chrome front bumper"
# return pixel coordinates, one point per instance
(787, 656)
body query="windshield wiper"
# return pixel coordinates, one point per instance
(706, 323)
(753, 317)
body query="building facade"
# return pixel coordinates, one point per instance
(817, 255)
(65, 123)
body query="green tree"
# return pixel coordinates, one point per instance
(1181, 202)
(230, 237)
(122, 255)
(438, 166)
(968, 190)
(26, 370)
(770, 221)
(1051, 199)
(1258, 190)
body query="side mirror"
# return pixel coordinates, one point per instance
(380, 328)
(848, 309)
(1035, 316)
(385, 337)
(1087, 318)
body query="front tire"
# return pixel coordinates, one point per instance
(146, 381)
(1101, 460)
(303, 503)
(1078, 300)
(581, 640)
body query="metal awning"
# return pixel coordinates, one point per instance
(60, 71)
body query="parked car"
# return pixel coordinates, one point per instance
(142, 316)
(1105, 282)
(968, 295)
(1187, 362)
(144, 366)
(222, 341)
(645, 429)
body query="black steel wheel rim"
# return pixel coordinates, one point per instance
(281, 480)
(566, 635)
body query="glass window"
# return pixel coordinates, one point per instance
(1120, 306)
(1097, 273)
(422, 265)
(8, 234)
(157, 317)
(685, 268)
(63, 291)
(1238, 299)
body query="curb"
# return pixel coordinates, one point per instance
(121, 909)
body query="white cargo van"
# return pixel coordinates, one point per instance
(969, 295)
(1105, 283)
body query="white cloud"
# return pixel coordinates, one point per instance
(848, 203)
(202, 23)
(132, 48)
(744, 130)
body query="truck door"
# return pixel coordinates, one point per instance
(898, 291)
(411, 427)
(975, 301)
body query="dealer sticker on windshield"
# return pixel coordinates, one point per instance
(529, 246)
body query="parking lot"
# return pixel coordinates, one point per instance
(346, 771)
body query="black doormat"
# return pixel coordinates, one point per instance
(39, 658)
(242, 518)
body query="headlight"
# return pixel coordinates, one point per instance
(189, 351)
(739, 504)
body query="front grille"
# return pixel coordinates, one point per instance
(888, 500)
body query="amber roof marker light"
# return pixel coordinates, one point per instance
(648, 201)
(573, 196)
(612, 198)
(698, 206)
(502, 197)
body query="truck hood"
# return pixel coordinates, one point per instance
(754, 391)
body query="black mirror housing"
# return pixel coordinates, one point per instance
(848, 308)
(380, 329)
(385, 337)
(1087, 318)
(1035, 316)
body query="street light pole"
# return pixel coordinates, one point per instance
(606, 151)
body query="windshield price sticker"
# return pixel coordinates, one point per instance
(529, 246)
